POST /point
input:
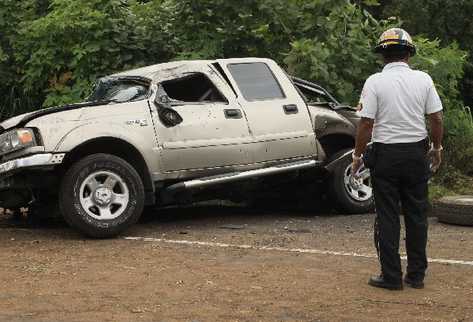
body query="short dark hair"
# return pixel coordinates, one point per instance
(395, 53)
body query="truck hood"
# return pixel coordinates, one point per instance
(13, 122)
(24, 119)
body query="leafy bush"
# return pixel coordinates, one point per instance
(338, 53)
(52, 50)
(456, 174)
(58, 47)
(14, 99)
(222, 28)
(445, 65)
(95, 36)
(459, 140)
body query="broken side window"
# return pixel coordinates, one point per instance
(195, 87)
(256, 81)
(311, 95)
(312, 92)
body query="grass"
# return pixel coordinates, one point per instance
(449, 183)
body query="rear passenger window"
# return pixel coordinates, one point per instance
(256, 81)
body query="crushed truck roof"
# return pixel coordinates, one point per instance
(162, 71)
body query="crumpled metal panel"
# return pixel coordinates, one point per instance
(166, 71)
(330, 122)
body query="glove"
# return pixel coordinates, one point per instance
(435, 157)
(356, 166)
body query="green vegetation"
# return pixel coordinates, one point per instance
(51, 51)
(448, 21)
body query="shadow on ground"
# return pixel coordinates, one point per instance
(211, 211)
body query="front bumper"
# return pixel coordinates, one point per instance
(32, 161)
(21, 176)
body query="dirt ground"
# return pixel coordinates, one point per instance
(48, 272)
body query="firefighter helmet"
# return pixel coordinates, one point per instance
(395, 38)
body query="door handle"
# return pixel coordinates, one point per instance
(290, 109)
(233, 114)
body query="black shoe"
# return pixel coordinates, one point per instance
(414, 283)
(378, 281)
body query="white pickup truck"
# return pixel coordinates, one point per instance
(178, 132)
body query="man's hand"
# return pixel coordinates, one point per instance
(356, 166)
(436, 159)
(436, 127)
(363, 136)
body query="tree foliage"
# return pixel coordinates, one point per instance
(96, 36)
(445, 65)
(448, 21)
(13, 98)
(52, 50)
(338, 52)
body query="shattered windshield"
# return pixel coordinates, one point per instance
(119, 90)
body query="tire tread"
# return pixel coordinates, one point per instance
(66, 199)
(450, 212)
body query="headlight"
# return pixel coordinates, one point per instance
(16, 140)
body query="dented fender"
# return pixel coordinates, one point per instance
(328, 122)
(139, 138)
(130, 122)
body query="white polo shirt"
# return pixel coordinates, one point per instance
(398, 99)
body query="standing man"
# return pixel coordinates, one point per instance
(393, 107)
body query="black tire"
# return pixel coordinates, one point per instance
(69, 196)
(339, 195)
(457, 210)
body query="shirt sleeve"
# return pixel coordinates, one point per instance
(368, 106)
(433, 104)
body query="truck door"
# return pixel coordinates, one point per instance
(214, 132)
(277, 115)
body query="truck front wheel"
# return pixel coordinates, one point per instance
(101, 195)
(348, 197)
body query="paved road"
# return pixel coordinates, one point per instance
(225, 264)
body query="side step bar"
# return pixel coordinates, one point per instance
(235, 176)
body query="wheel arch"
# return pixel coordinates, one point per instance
(119, 148)
(333, 130)
(333, 143)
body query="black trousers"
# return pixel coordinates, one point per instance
(400, 174)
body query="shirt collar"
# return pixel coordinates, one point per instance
(395, 65)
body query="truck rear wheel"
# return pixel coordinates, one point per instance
(101, 195)
(348, 198)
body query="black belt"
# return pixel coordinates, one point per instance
(411, 145)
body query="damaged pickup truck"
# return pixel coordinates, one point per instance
(180, 132)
